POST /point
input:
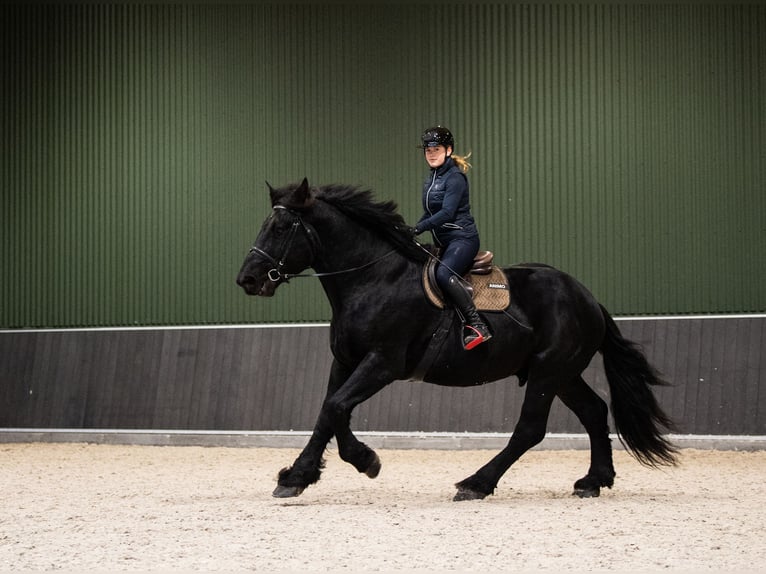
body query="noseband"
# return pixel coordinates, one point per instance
(275, 274)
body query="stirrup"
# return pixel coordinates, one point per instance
(475, 338)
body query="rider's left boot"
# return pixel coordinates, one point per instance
(477, 331)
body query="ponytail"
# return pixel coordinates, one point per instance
(462, 161)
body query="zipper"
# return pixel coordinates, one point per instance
(430, 187)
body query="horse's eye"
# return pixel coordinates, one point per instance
(272, 226)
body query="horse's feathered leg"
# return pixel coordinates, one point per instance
(370, 376)
(307, 468)
(592, 411)
(346, 390)
(529, 431)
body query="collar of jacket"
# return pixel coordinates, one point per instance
(445, 167)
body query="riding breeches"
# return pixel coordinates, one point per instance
(456, 259)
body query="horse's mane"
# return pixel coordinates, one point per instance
(382, 217)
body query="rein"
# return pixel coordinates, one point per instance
(276, 274)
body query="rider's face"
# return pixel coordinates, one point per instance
(437, 155)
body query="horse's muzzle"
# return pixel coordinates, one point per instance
(252, 286)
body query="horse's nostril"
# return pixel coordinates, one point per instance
(243, 280)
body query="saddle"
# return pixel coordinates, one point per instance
(485, 281)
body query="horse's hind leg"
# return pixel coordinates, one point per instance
(592, 411)
(529, 431)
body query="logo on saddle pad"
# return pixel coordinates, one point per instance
(488, 284)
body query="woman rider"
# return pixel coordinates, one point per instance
(447, 215)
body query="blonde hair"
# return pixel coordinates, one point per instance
(462, 161)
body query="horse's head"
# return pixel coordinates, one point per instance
(285, 245)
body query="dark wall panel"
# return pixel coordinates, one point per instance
(274, 379)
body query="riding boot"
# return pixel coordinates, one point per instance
(477, 331)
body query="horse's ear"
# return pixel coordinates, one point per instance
(272, 193)
(302, 196)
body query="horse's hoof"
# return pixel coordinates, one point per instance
(374, 469)
(287, 491)
(468, 494)
(587, 492)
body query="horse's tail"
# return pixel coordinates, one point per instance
(637, 415)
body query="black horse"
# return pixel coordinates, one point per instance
(382, 328)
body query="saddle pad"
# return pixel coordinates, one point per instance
(490, 292)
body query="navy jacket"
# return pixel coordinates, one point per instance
(446, 205)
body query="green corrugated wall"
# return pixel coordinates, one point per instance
(624, 143)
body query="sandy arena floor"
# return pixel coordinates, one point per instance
(97, 507)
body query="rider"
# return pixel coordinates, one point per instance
(447, 215)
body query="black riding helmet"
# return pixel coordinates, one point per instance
(437, 136)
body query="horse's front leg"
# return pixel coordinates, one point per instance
(346, 389)
(307, 468)
(373, 374)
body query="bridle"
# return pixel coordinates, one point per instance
(276, 273)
